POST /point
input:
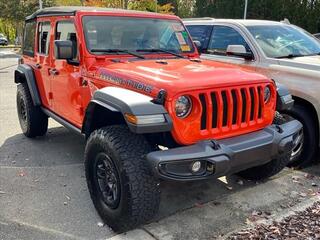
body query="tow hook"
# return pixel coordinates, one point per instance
(215, 145)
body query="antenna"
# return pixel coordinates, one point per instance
(245, 9)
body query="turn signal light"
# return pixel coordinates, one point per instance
(145, 119)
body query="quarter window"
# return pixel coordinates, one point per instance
(222, 37)
(43, 37)
(29, 37)
(65, 30)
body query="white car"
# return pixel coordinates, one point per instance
(317, 35)
(283, 52)
(3, 40)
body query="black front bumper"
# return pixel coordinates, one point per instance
(226, 156)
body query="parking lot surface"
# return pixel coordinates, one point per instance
(43, 193)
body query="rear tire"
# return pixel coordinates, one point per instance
(267, 170)
(122, 187)
(32, 120)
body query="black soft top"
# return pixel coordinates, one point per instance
(71, 11)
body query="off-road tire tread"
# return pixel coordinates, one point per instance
(37, 124)
(267, 170)
(144, 194)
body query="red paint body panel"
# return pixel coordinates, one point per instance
(178, 77)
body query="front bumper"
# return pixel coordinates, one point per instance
(226, 156)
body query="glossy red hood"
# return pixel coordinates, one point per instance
(174, 75)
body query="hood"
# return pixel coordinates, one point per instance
(308, 62)
(175, 75)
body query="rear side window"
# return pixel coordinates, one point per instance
(29, 38)
(65, 30)
(201, 34)
(43, 37)
(222, 37)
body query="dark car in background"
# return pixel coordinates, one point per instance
(3, 40)
(317, 35)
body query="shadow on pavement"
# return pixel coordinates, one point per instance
(314, 169)
(61, 147)
(58, 147)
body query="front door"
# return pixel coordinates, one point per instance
(67, 100)
(221, 37)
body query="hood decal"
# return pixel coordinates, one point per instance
(111, 77)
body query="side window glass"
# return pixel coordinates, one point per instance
(43, 37)
(222, 37)
(201, 34)
(29, 38)
(65, 30)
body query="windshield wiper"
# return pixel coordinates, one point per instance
(153, 50)
(292, 56)
(118, 51)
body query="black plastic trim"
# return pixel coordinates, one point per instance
(126, 101)
(26, 72)
(54, 11)
(233, 154)
(284, 98)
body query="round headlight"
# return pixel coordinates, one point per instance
(183, 106)
(267, 94)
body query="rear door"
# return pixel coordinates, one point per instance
(200, 33)
(42, 61)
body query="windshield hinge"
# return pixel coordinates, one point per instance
(161, 97)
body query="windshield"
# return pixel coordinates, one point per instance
(284, 40)
(132, 34)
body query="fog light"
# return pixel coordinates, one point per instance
(196, 166)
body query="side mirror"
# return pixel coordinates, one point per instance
(239, 51)
(198, 45)
(63, 49)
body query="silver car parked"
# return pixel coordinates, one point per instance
(281, 51)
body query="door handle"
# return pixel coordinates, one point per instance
(38, 66)
(53, 71)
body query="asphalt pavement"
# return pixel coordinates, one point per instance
(43, 194)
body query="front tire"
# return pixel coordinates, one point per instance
(267, 170)
(122, 187)
(33, 121)
(310, 136)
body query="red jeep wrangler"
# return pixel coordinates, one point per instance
(133, 85)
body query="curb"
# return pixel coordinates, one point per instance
(137, 234)
(300, 207)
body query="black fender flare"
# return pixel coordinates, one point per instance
(121, 100)
(24, 73)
